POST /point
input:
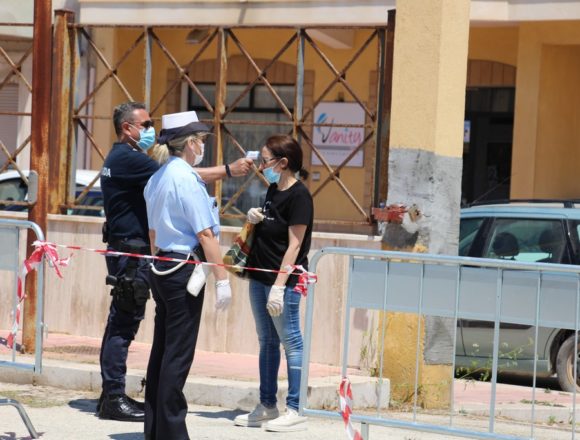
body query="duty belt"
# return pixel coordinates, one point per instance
(130, 245)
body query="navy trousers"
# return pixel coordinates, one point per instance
(177, 319)
(122, 326)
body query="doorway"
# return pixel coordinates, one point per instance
(487, 148)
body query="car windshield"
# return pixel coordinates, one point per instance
(92, 198)
(467, 231)
(526, 240)
(13, 189)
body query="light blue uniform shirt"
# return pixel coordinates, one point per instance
(179, 207)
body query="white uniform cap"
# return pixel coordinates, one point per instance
(176, 125)
(176, 120)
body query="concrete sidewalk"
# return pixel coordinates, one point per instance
(217, 379)
(231, 381)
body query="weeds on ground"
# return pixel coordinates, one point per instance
(368, 352)
(30, 399)
(477, 371)
(542, 403)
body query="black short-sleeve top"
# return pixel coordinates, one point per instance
(281, 210)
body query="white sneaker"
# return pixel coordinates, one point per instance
(290, 421)
(257, 417)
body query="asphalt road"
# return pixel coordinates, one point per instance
(69, 415)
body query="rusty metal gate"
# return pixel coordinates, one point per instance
(133, 70)
(69, 105)
(84, 70)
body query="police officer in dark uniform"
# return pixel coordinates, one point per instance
(125, 173)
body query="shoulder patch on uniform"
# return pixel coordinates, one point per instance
(106, 172)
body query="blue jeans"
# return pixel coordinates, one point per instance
(271, 331)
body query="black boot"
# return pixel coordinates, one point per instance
(118, 407)
(99, 403)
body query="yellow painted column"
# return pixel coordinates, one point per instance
(547, 112)
(425, 162)
(526, 112)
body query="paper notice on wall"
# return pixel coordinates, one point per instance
(337, 143)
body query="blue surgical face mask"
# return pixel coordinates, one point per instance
(146, 138)
(271, 175)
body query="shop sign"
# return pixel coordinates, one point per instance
(336, 143)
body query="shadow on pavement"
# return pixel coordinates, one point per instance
(12, 436)
(84, 405)
(225, 414)
(127, 436)
(526, 380)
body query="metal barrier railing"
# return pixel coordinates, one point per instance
(23, 415)
(510, 293)
(10, 261)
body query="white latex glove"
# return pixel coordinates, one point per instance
(255, 215)
(275, 303)
(223, 294)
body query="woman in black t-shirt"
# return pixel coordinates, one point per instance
(281, 238)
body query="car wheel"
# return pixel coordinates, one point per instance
(565, 366)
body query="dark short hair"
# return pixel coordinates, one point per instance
(282, 145)
(124, 113)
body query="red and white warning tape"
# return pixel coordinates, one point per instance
(49, 250)
(304, 277)
(345, 394)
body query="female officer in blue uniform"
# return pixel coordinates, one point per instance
(183, 224)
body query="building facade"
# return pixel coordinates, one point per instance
(325, 71)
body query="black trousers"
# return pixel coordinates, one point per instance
(122, 326)
(177, 319)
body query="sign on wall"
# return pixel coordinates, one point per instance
(336, 143)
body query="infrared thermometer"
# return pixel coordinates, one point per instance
(252, 155)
